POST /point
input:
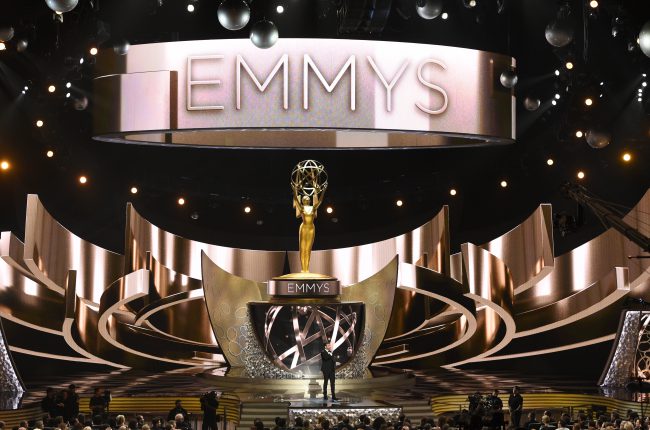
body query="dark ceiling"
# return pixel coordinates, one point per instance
(364, 184)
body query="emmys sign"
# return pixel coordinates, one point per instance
(303, 93)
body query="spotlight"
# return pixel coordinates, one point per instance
(181, 201)
(557, 96)
(51, 88)
(550, 161)
(93, 51)
(190, 8)
(134, 190)
(49, 154)
(569, 65)
(68, 85)
(329, 209)
(452, 192)
(504, 184)
(4, 165)
(444, 15)
(279, 9)
(627, 157)
(557, 72)
(589, 101)
(2, 46)
(581, 174)
(39, 123)
(83, 179)
(399, 203)
(593, 4)
(579, 134)
(247, 209)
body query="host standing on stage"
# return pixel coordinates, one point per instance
(327, 367)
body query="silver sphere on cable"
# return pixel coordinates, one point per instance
(22, 45)
(264, 34)
(81, 103)
(6, 34)
(559, 32)
(428, 9)
(598, 139)
(233, 14)
(644, 39)
(508, 79)
(121, 47)
(61, 6)
(532, 103)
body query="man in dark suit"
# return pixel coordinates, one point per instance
(327, 367)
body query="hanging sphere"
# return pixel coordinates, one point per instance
(121, 47)
(644, 39)
(428, 9)
(61, 6)
(6, 34)
(508, 79)
(21, 46)
(264, 34)
(598, 139)
(559, 32)
(532, 103)
(233, 14)
(81, 103)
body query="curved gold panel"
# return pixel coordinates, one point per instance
(51, 250)
(183, 256)
(527, 249)
(377, 293)
(226, 296)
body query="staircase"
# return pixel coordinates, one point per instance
(415, 409)
(266, 411)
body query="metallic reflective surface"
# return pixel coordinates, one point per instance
(505, 300)
(230, 93)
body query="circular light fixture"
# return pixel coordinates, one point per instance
(181, 201)
(593, 4)
(4, 165)
(51, 88)
(399, 203)
(134, 190)
(329, 209)
(581, 174)
(627, 157)
(279, 9)
(444, 15)
(452, 192)
(49, 154)
(93, 51)
(247, 209)
(39, 123)
(550, 162)
(589, 101)
(504, 184)
(569, 65)
(579, 134)
(83, 179)
(190, 7)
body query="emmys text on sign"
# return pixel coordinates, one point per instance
(303, 93)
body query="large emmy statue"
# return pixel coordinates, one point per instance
(308, 183)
